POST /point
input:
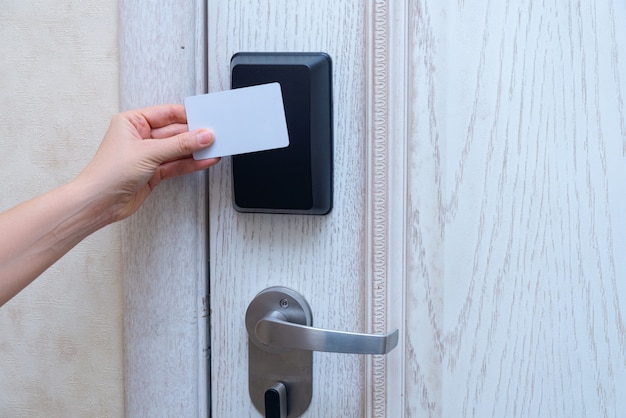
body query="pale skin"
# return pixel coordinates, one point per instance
(140, 148)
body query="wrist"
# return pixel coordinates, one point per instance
(93, 203)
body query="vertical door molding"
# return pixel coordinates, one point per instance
(387, 145)
(164, 245)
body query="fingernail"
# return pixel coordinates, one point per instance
(205, 137)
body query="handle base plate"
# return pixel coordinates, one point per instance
(269, 365)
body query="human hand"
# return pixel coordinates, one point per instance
(141, 148)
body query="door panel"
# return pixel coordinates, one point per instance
(322, 257)
(517, 118)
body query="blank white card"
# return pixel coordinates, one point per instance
(244, 120)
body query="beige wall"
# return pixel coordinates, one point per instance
(60, 339)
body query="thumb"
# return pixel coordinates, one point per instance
(183, 144)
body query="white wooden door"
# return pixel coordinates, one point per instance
(517, 206)
(325, 258)
(479, 207)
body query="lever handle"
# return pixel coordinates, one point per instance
(281, 344)
(275, 332)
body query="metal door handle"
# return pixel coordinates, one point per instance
(280, 353)
(275, 331)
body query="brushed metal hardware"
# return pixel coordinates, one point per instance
(281, 342)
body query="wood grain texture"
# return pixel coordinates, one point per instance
(504, 163)
(321, 257)
(164, 244)
(516, 209)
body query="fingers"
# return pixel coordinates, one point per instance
(185, 166)
(182, 145)
(163, 115)
(168, 131)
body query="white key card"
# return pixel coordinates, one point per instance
(244, 120)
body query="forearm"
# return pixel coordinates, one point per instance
(140, 149)
(35, 234)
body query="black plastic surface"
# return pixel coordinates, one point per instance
(272, 405)
(299, 178)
